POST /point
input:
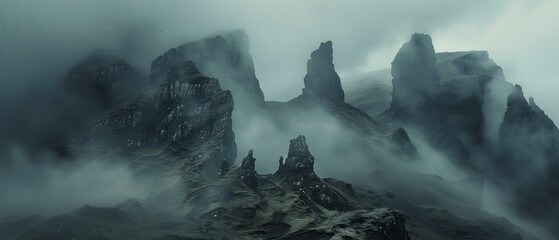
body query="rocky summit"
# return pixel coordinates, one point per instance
(321, 79)
(414, 72)
(529, 143)
(225, 56)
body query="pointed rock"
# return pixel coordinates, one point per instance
(297, 171)
(414, 71)
(299, 159)
(529, 139)
(321, 79)
(247, 171)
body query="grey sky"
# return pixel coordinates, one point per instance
(41, 39)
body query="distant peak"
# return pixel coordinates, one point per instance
(322, 80)
(324, 52)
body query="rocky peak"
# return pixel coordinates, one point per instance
(534, 106)
(225, 56)
(414, 71)
(518, 109)
(247, 171)
(298, 172)
(321, 79)
(299, 159)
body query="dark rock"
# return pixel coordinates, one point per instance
(529, 143)
(416, 85)
(403, 144)
(298, 172)
(415, 74)
(299, 159)
(189, 108)
(529, 138)
(224, 56)
(392, 226)
(247, 171)
(526, 130)
(321, 79)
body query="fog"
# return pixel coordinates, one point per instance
(42, 40)
(45, 188)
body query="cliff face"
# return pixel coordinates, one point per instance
(224, 56)
(415, 97)
(415, 75)
(529, 141)
(529, 145)
(187, 108)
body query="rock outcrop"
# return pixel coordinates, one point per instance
(415, 75)
(224, 56)
(321, 79)
(247, 171)
(529, 144)
(188, 108)
(298, 171)
(527, 130)
(416, 86)
(299, 159)
(529, 139)
(323, 97)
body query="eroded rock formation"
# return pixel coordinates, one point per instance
(247, 171)
(321, 79)
(224, 56)
(187, 108)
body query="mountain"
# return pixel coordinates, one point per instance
(293, 203)
(415, 101)
(371, 92)
(529, 143)
(323, 92)
(188, 110)
(225, 56)
(180, 136)
(461, 102)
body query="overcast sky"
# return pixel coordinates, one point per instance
(41, 39)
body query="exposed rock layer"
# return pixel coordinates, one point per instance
(187, 108)
(224, 56)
